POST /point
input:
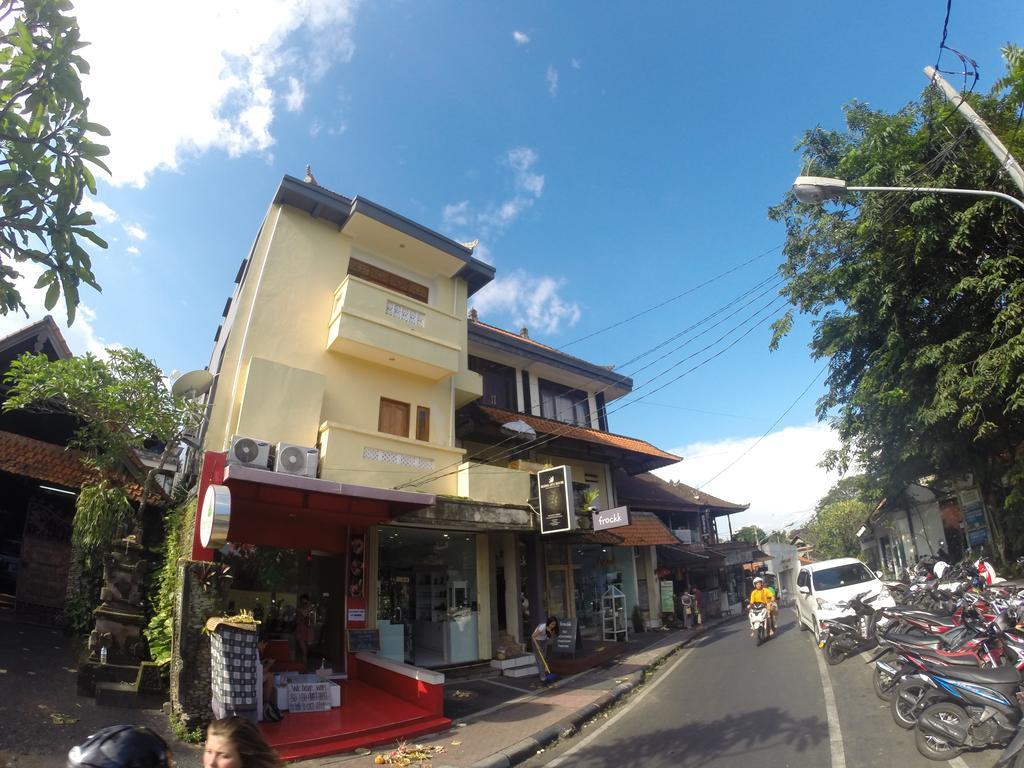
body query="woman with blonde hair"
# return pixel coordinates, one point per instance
(234, 742)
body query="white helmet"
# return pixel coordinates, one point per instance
(758, 578)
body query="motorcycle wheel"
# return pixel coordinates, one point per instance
(905, 699)
(884, 684)
(762, 634)
(834, 652)
(935, 747)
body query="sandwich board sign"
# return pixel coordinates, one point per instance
(557, 511)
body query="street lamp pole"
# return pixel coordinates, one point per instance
(818, 189)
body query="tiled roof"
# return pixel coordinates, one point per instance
(52, 464)
(644, 530)
(651, 489)
(571, 431)
(47, 327)
(519, 337)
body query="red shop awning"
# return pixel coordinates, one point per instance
(281, 510)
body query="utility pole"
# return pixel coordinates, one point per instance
(1006, 161)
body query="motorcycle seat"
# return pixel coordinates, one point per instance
(913, 641)
(981, 675)
(931, 618)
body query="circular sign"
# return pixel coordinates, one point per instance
(215, 516)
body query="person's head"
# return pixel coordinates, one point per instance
(303, 600)
(122, 746)
(552, 623)
(235, 742)
(758, 582)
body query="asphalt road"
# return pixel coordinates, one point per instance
(723, 702)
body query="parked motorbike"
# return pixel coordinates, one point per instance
(758, 617)
(849, 635)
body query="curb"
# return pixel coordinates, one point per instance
(526, 748)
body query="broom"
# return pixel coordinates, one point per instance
(549, 676)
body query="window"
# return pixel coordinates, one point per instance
(499, 383)
(390, 280)
(393, 417)
(842, 576)
(802, 580)
(564, 404)
(422, 423)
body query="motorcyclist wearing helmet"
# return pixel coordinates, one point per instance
(122, 746)
(761, 594)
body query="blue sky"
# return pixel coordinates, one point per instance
(608, 160)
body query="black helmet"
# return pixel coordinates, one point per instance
(122, 746)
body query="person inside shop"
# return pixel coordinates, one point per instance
(235, 742)
(122, 746)
(541, 639)
(303, 628)
(270, 710)
(761, 594)
(698, 607)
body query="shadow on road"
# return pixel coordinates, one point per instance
(731, 740)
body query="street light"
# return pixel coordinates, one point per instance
(818, 189)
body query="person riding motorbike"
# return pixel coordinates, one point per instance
(762, 594)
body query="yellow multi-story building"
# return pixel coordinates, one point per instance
(347, 331)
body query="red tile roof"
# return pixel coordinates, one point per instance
(52, 464)
(560, 429)
(644, 530)
(648, 488)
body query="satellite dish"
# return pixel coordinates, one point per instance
(519, 429)
(192, 384)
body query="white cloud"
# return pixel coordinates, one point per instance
(780, 478)
(135, 232)
(100, 211)
(296, 95)
(521, 38)
(552, 80)
(456, 215)
(81, 336)
(530, 300)
(132, 250)
(527, 186)
(575, 63)
(169, 86)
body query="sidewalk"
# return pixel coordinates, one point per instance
(504, 722)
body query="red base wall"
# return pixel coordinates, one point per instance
(430, 697)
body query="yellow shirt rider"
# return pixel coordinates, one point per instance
(761, 594)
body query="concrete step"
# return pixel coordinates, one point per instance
(125, 696)
(521, 671)
(518, 661)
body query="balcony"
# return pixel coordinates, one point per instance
(385, 327)
(362, 457)
(498, 485)
(469, 386)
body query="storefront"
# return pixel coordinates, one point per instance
(428, 606)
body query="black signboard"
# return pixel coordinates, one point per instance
(360, 640)
(557, 512)
(565, 640)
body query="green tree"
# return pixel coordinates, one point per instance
(751, 533)
(834, 528)
(918, 301)
(45, 153)
(122, 403)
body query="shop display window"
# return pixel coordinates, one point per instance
(427, 596)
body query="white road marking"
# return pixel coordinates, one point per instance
(958, 762)
(635, 700)
(504, 685)
(835, 733)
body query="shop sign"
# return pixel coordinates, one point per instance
(215, 517)
(611, 518)
(356, 614)
(565, 640)
(309, 697)
(557, 512)
(668, 597)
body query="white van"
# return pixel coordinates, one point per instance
(822, 586)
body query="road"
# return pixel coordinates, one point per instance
(723, 702)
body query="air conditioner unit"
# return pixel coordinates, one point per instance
(249, 452)
(685, 535)
(296, 460)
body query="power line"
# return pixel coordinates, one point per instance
(757, 442)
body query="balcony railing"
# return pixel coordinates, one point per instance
(387, 328)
